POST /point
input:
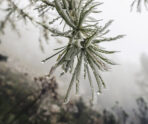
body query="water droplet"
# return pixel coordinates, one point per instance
(98, 93)
(42, 62)
(47, 77)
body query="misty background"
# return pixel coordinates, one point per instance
(122, 81)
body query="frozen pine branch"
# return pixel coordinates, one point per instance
(83, 32)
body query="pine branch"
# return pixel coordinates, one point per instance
(83, 32)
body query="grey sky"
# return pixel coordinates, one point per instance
(133, 24)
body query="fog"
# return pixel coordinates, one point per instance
(25, 55)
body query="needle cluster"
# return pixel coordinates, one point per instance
(84, 35)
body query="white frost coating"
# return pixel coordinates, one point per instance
(82, 35)
(67, 18)
(78, 43)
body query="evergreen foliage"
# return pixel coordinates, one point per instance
(139, 4)
(83, 32)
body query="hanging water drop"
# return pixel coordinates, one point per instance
(98, 93)
(43, 62)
